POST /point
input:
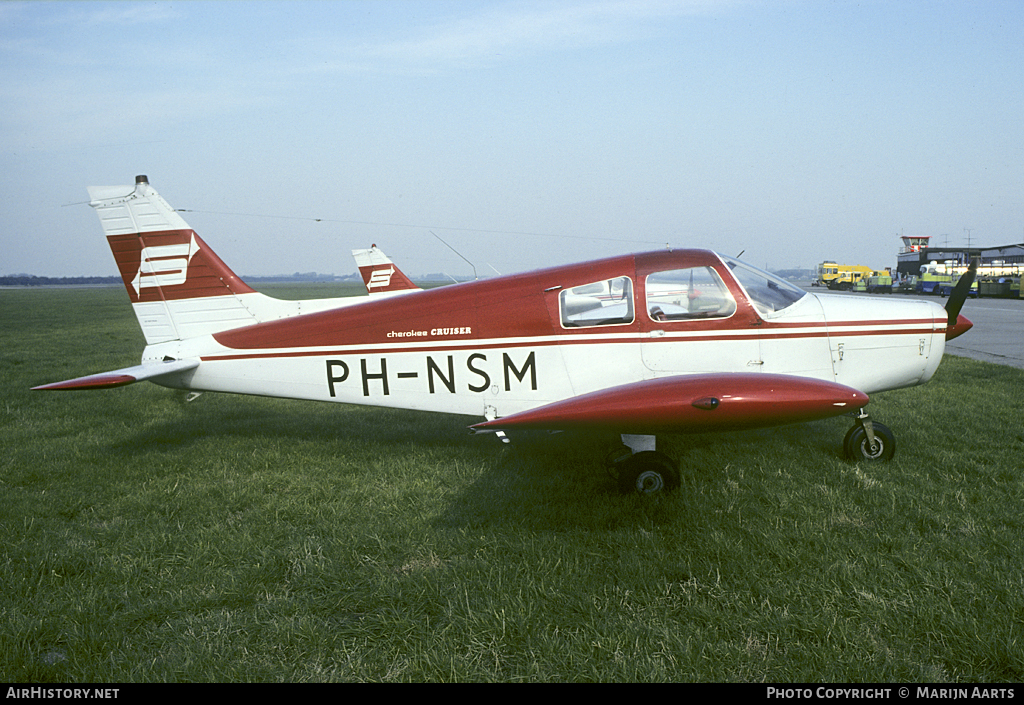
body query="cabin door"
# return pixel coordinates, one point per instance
(692, 325)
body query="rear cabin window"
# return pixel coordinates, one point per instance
(688, 294)
(604, 303)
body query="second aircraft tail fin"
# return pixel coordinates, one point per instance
(380, 275)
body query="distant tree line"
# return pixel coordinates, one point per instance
(795, 273)
(33, 280)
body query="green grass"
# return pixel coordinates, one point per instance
(247, 539)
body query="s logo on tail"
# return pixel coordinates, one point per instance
(164, 265)
(380, 278)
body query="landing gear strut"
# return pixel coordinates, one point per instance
(869, 440)
(641, 469)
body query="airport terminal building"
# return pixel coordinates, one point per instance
(917, 251)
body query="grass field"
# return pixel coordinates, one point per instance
(248, 539)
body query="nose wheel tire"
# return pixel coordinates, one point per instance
(856, 445)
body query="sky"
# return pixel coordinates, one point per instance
(514, 135)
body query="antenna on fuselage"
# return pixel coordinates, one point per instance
(475, 277)
(740, 254)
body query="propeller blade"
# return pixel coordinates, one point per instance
(960, 292)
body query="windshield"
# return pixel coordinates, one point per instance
(766, 291)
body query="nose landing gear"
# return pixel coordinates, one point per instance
(869, 440)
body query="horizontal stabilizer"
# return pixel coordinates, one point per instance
(692, 403)
(119, 378)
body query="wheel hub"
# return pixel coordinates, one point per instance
(649, 481)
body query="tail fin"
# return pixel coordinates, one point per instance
(178, 286)
(380, 275)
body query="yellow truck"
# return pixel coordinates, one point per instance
(878, 282)
(841, 276)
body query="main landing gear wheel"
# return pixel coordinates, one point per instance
(857, 446)
(648, 472)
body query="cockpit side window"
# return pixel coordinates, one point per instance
(688, 294)
(603, 303)
(767, 292)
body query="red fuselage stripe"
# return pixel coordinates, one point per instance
(573, 340)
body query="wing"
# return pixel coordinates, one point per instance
(128, 375)
(692, 403)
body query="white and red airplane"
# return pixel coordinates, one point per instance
(672, 341)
